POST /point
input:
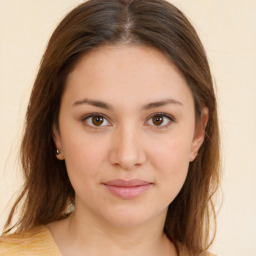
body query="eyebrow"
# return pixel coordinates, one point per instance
(96, 103)
(102, 104)
(162, 103)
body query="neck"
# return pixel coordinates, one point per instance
(84, 233)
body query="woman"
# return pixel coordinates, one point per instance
(121, 147)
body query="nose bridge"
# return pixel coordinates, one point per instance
(127, 150)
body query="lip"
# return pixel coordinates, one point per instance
(127, 189)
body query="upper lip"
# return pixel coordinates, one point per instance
(127, 183)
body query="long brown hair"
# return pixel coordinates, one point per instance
(47, 193)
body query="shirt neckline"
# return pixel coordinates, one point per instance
(52, 240)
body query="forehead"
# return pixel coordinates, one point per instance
(123, 73)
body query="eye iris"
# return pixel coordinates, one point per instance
(97, 120)
(158, 120)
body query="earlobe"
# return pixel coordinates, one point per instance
(58, 144)
(199, 134)
(59, 154)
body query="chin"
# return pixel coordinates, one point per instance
(128, 217)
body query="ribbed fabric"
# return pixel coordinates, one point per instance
(37, 242)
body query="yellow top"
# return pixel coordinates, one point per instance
(36, 242)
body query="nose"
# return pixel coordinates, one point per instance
(127, 150)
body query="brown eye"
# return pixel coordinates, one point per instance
(160, 120)
(157, 120)
(97, 120)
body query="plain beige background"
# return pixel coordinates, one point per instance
(228, 31)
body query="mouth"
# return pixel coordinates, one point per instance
(127, 189)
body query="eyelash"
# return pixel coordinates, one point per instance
(164, 115)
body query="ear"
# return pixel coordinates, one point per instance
(199, 134)
(58, 143)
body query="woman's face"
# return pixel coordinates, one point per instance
(127, 133)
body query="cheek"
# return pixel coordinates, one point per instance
(84, 156)
(83, 164)
(171, 162)
(171, 153)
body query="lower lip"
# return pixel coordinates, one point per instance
(128, 192)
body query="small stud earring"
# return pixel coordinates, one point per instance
(57, 152)
(195, 154)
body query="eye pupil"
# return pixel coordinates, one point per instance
(158, 120)
(97, 120)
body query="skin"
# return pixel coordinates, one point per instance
(127, 145)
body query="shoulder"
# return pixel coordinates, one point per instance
(34, 242)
